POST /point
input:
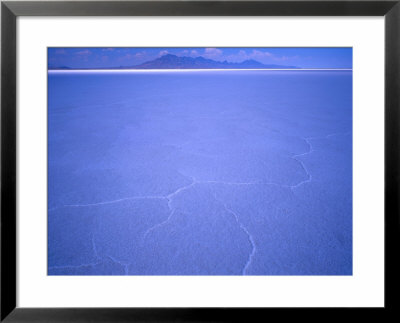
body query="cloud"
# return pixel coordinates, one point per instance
(126, 56)
(163, 52)
(108, 49)
(84, 52)
(140, 54)
(192, 53)
(212, 52)
(285, 58)
(61, 52)
(259, 54)
(255, 54)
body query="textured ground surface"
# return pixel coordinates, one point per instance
(200, 173)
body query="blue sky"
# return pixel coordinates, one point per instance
(326, 57)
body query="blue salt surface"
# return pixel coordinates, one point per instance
(200, 173)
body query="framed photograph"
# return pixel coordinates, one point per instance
(198, 160)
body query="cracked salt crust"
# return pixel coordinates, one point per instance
(194, 182)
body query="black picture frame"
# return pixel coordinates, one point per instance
(10, 10)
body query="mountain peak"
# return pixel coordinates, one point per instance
(168, 56)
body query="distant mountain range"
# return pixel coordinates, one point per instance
(170, 61)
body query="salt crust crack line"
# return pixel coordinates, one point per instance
(75, 266)
(83, 265)
(159, 197)
(244, 229)
(124, 265)
(311, 150)
(309, 177)
(172, 195)
(94, 248)
(116, 201)
(171, 210)
(154, 227)
(100, 260)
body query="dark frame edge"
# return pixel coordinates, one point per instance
(8, 293)
(203, 8)
(392, 156)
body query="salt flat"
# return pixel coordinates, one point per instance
(212, 173)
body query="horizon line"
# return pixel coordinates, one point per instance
(193, 70)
